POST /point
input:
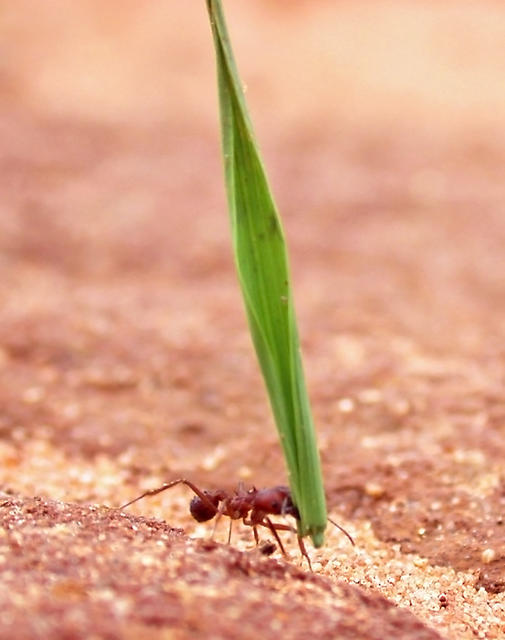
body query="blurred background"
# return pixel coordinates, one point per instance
(322, 67)
(117, 102)
(382, 128)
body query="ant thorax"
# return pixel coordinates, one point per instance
(239, 505)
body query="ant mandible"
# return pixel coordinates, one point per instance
(252, 506)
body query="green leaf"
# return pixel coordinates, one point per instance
(262, 264)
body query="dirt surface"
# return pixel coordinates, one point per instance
(124, 354)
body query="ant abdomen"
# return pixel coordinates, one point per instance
(203, 511)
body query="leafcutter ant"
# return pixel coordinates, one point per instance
(252, 506)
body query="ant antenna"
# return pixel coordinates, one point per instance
(346, 533)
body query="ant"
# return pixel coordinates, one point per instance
(253, 507)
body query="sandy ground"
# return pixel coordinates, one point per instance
(124, 354)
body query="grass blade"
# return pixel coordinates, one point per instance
(262, 265)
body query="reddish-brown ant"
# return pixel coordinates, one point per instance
(252, 506)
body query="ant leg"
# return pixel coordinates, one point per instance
(153, 492)
(254, 526)
(273, 528)
(278, 526)
(286, 527)
(343, 530)
(219, 513)
(168, 485)
(266, 522)
(229, 531)
(304, 553)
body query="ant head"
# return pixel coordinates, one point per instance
(290, 508)
(204, 510)
(276, 501)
